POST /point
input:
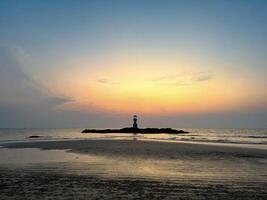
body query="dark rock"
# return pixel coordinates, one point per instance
(34, 136)
(136, 130)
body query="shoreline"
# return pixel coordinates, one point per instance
(140, 147)
(30, 139)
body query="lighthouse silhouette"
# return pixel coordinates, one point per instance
(135, 126)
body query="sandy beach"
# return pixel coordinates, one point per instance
(132, 169)
(164, 150)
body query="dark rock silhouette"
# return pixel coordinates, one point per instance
(136, 130)
(34, 136)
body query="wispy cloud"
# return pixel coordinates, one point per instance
(183, 79)
(17, 87)
(203, 76)
(106, 81)
(103, 80)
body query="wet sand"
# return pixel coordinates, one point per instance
(124, 169)
(48, 185)
(143, 148)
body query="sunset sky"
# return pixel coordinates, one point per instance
(96, 63)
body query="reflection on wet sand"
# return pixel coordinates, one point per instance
(132, 169)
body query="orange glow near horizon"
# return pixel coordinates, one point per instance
(148, 89)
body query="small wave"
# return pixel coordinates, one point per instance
(253, 136)
(223, 141)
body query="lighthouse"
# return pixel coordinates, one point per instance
(135, 126)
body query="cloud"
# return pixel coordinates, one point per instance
(17, 87)
(27, 103)
(165, 78)
(203, 76)
(183, 79)
(103, 80)
(171, 80)
(106, 81)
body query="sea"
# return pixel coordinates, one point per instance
(242, 137)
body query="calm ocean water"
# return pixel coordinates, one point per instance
(231, 136)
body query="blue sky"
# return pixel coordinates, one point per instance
(64, 62)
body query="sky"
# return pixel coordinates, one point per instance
(175, 63)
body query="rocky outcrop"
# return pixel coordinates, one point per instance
(137, 130)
